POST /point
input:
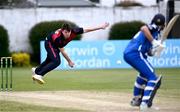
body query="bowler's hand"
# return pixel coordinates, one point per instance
(71, 64)
(105, 25)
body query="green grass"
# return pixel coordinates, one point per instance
(10, 106)
(117, 80)
(101, 80)
(97, 80)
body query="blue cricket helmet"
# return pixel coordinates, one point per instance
(158, 19)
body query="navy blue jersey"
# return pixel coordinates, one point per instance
(57, 39)
(140, 43)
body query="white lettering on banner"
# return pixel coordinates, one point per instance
(90, 63)
(171, 49)
(84, 51)
(173, 61)
(173, 58)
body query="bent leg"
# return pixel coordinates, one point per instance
(51, 62)
(139, 86)
(141, 64)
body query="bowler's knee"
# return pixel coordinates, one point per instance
(56, 63)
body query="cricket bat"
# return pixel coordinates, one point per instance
(168, 28)
(165, 34)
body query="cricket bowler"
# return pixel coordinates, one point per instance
(145, 43)
(54, 44)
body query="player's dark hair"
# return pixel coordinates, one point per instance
(66, 26)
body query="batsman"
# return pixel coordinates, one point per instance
(145, 43)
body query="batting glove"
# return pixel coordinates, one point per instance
(157, 48)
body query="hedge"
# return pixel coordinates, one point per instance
(128, 4)
(4, 42)
(124, 30)
(40, 31)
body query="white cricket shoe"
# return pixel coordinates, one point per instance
(144, 107)
(33, 71)
(38, 78)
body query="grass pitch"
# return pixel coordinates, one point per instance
(117, 80)
(12, 106)
(98, 80)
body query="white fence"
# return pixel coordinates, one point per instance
(18, 22)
